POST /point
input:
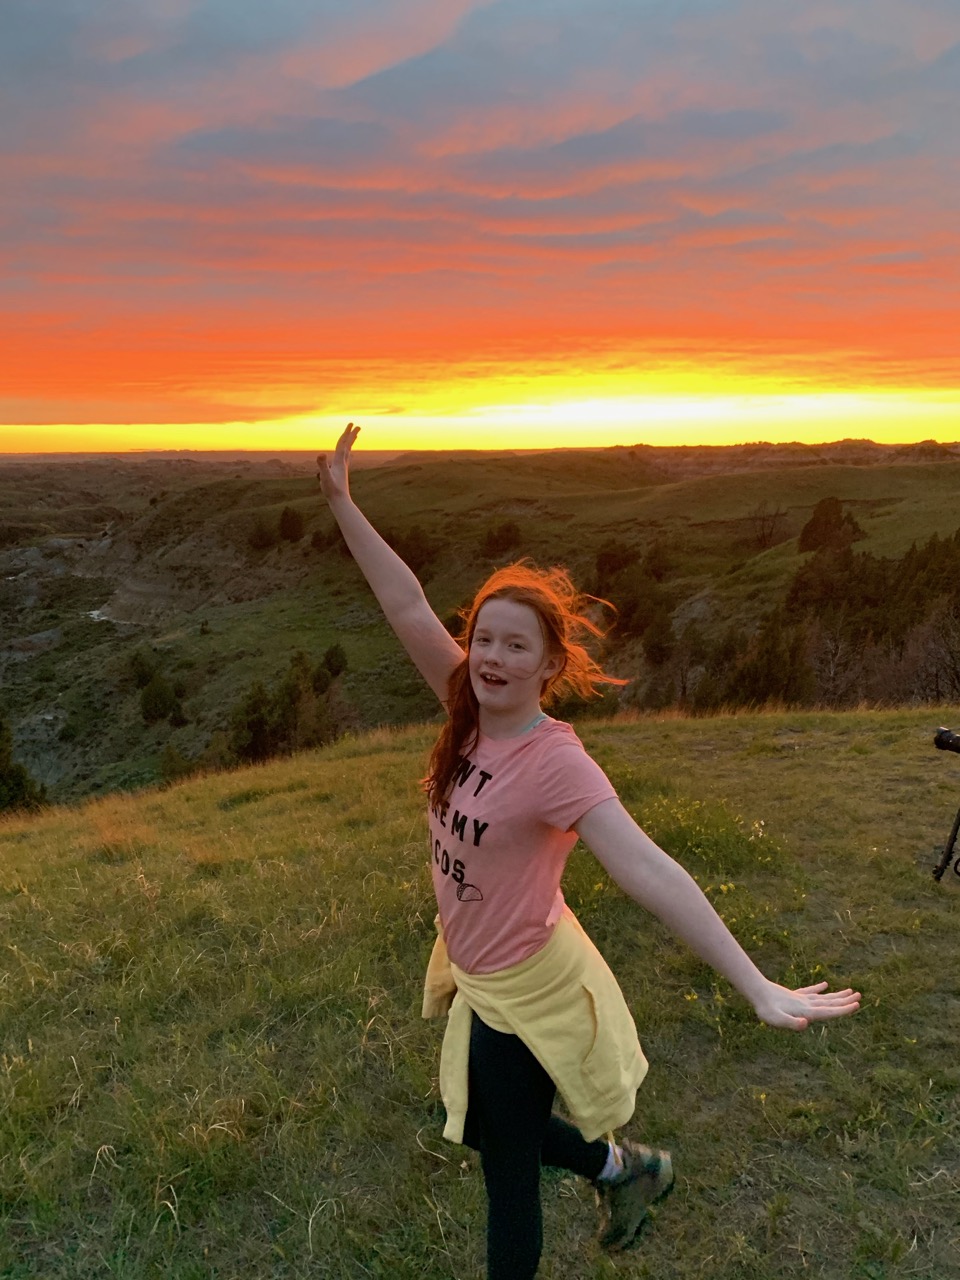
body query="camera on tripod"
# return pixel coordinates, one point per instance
(947, 740)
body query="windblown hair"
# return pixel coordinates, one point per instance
(561, 610)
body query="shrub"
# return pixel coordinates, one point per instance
(158, 700)
(143, 666)
(335, 659)
(174, 765)
(658, 560)
(499, 539)
(18, 790)
(263, 536)
(291, 524)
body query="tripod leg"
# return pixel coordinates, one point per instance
(944, 862)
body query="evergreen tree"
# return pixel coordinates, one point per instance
(658, 639)
(321, 679)
(829, 526)
(158, 701)
(416, 548)
(612, 558)
(291, 716)
(143, 666)
(500, 539)
(638, 599)
(658, 560)
(291, 524)
(775, 668)
(250, 736)
(688, 660)
(263, 536)
(335, 660)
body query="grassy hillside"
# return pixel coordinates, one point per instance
(174, 571)
(213, 1062)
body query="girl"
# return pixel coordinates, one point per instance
(532, 1007)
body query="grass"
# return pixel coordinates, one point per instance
(222, 616)
(212, 1062)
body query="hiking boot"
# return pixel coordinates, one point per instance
(622, 1200)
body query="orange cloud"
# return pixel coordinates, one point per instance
(300, 207)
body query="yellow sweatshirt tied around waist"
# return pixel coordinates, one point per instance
(568, 1009)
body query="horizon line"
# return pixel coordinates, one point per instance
(146, 451)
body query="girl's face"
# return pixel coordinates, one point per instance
(508, 659)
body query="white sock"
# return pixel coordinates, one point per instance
(614, 1163)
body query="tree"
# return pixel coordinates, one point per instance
(18, 790)
(335, 660)
(499, 539)
(638, 599)
(658, 639)
(143, 666)
(263, 536)
(158, 701)
(291, 524)
(829, 526)
(837, 661)
(613, 557)
(416, 548)
(293, 715)
(250, 734)
(775, 667)
(688, 659)
(765, 522)
(658, 560)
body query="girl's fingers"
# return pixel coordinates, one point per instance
(817, 992)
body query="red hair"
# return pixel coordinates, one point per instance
(561, 610)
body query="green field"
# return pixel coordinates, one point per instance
(213, 1063)
(175, 566)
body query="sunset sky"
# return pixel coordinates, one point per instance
(477, 223)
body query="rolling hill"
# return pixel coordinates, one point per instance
(102, 560)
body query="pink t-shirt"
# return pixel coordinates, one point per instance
(500, 841)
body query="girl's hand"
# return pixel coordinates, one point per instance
(795, 1010)
(333, 474)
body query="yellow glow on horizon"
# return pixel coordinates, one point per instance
(892, 417)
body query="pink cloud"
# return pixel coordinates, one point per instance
(223, 201)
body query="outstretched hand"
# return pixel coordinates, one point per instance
(333, 474)
(795, 1010)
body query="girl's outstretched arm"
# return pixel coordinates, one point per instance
(434, 651)
(652, 878)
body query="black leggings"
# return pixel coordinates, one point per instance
(509, 1122)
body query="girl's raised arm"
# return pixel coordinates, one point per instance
(433, 650)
